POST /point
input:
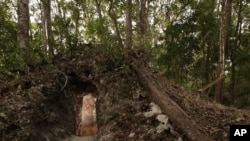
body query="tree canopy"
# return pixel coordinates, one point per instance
(201, 44)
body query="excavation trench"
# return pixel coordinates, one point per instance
(86, 124)
(85, 112)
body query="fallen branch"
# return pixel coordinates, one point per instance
(201, 90)
(175, 113)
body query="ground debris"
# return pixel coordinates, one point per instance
(41, 104)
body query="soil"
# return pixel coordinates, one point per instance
(41, 105)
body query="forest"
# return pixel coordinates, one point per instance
(189, 49)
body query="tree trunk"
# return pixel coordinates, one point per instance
(102, 35)
(23, 26)
(46, 25)
(233, 50)
(224, 32)
(61, 13)
(98, 8)
(141, 23)
(113, 16)
(129, 33)
(76, 33)
(178, 117)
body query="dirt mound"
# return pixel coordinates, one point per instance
(41, 105)
(214, 119)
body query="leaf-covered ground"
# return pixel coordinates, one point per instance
(41, 104)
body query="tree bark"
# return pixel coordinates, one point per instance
(113, 16)
(224, 32)
(234, 49)
(129, 34)
(141, 23)
(101, 33)
(46, 24)
(23, 26)
(178, 117)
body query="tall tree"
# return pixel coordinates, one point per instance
(23, 25)
(142, 22)
(100, 20)
(226, 6)
(46, 26)
(128, 41)
(113, 17)
(234, 48)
